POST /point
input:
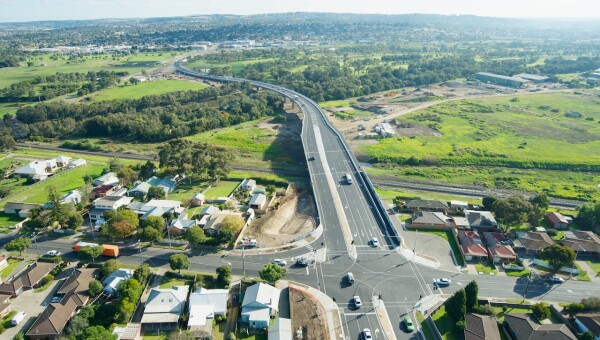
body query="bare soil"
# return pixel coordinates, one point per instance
(307, 315)
(294, 218)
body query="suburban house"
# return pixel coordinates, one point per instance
(261, 301)
(77, 163)
(248, 185)
(27, 279)
(74, 291)
(112, 281)
(281, 330)
(427, 205)
(109, 178)
(139, 190)
(198, 200)
(103, 190)
(167, 184)
(471, 245)
(588, 322)
(4, 305)
(164, 307)
(204, 305)
(532, 242)
(499, 249)
(209, 210)
(155, 208)
(73, 196)
(258, 202)
(481, 327)
(131, 331)
(111, 202)
(458, 205)
(21, 209)
(522, 327)
(430, 219)
(62, 161)
(584, 243)
(460, 222)
(556, 220)
(481, 220)
(213, 226)
(182, 223)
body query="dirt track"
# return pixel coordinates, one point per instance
(307, 315)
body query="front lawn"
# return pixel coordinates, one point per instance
(7, 220)
(424, 326)
(582, 276)
(485, 268)
(12, 264)
(595, 264)
(168, 282)
(446, 325)
(500, 313)
(518, 273)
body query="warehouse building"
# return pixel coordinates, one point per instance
(535, 78)
(500, 80)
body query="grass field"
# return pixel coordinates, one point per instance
(146, 89)
(186, 189)
(12, 264)
(564, 184)
(532, 131)
(223, 189)
(7, 220)
(44, 65)
(336, 103)
(446, 325)
(389, 195)
(64, 182)
(595, 266)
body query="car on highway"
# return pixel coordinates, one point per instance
(280, 262)
(301, 263)
(53, 253)
(556, 279)
(408, 323)
(367, 334)
(375, 242)
(357, 302)
(443, 282)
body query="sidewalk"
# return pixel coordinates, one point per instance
(334, 319)
(589, 270)
(428, 303)
(286, 247)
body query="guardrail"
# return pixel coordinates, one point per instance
(380, 211)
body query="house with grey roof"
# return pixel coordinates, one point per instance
(21, 209)
(248, 185)
(204, 304)
(261, 301)
(139, 190)
(164, 307)
(112, 281)
(182, 223)
(258, 202)
(109, 178)
(425, 219)
(27, 279)
(427, 205)
(523, 327)
(481, 220)
(532, 242)
(209, 210)
(588, 322)
(481, 327)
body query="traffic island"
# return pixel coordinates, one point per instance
(314, 313)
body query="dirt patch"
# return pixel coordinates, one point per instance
(294, 218)
(307, 315)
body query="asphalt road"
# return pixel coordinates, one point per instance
(377, 270)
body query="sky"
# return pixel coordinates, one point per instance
(34, 10)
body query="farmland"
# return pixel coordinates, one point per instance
(146, 89)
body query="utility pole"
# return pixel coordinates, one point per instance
(244, 263)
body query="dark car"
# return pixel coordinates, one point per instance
(301, 263)
(311, 158)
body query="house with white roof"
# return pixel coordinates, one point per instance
(204, 305)
(36, 170)
(139, 190)
(258, 202)
(281, 330)
(198, 200)
(155, 207)
(209, 210)
(112, 281)
(261, 301)
(73, 196)
(77, 163)
(62, 161)
(164, 307)
(109, 178)
(182, 223)
(248, 185)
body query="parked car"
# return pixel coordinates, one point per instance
(280, 262)
(53, 253)
(311, 158)
(443, 282)
(556, 279)
(357, 302)
(408, 323)
(375, 242)
(18, 318)
(301, 263)
(56, 299)
(367, 334)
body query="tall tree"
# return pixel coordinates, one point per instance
(95, 287)
(110, 266)
(90, 252)
(156, 193)
(223, 275)
(558, 256)
(179, 262)
(471, 291)
(19, 244)
(195, 235)
(142, 273)
(127, 176)
(456, 305)
(231, 227)
(512, 210)
(272, 272)
(150, 234)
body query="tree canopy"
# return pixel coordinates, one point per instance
(19, 244)
(179, 262)
(456, 305)
(558, 256)
(272, 272)
(190, 158)
(90, 252)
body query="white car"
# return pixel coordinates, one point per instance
(357, 301)
(556, 279)
(53, 253)
(375, 242)
(367, 334)
(280, 262)
(443, 282)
